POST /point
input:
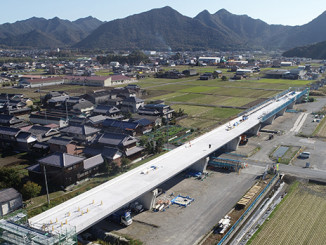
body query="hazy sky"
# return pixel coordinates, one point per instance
(286, 12)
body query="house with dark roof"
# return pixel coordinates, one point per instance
(98, 97)
(125, 143)
(10, 200)
(63, 169)
(124, 127)
(81, 133)
(131, 104)
(84, 107)
(111, 154)
(107, 110)
(8, 137)
(9, 120)
(25, 141)
(42, 133)
(164, 111)
(64, 145)
(45, 119)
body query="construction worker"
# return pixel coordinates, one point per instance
(209, 146)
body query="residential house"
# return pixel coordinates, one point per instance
(44, 118)
(155, 120)
(64, 145)
(131, 104)
(10, 121)
(25, 141)
(98, 97)
(10, 200)
(125, 143)
(124, 127)
(63, 169)
(8, 137)
(161, 110)
(106, 110)
(84, 107)
(111, 154)
(80, 133)
(42, 133)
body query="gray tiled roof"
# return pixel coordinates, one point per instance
(80, 130)
(39, 130)
(93, 161)
(59, 141)
(8, 195)
(115, 139)
(9, 131)
(61, 160)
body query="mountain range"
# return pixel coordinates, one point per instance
(163, 29)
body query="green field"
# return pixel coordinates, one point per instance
(298, 220)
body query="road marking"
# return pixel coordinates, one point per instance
(299, 122)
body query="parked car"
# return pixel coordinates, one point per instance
(304, 155)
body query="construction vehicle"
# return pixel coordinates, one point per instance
(121, 217)
(243, 139)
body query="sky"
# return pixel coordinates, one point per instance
(285, 12)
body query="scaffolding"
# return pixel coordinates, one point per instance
(228, 164)
(15, 233)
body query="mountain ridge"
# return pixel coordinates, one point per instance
(165, 29)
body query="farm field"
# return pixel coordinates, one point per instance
(297, 220)
(203, 101)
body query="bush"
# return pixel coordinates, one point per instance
(30, 190)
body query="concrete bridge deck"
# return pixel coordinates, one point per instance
(92, 206)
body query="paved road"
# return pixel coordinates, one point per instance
(293, 170)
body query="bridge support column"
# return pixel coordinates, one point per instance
(254, 130)
(281, 112)
(148, 199)
(200, 165)
(291, 105)
(233, 144)
(270, 120)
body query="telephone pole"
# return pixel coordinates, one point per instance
(46, 185)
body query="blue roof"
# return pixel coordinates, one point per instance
(143, 121)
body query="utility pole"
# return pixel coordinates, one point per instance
(46, 185)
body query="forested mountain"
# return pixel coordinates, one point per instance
(163, 29)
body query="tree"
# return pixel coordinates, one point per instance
(224, 78)
(125, 163)
(159, 145)
(30, 190)
(9, 177)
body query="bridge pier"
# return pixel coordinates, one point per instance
(148, 199)
(270, 120)
(233, 144)
(281, 112)
(200, 165)
(291, 105)
(254, 130)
